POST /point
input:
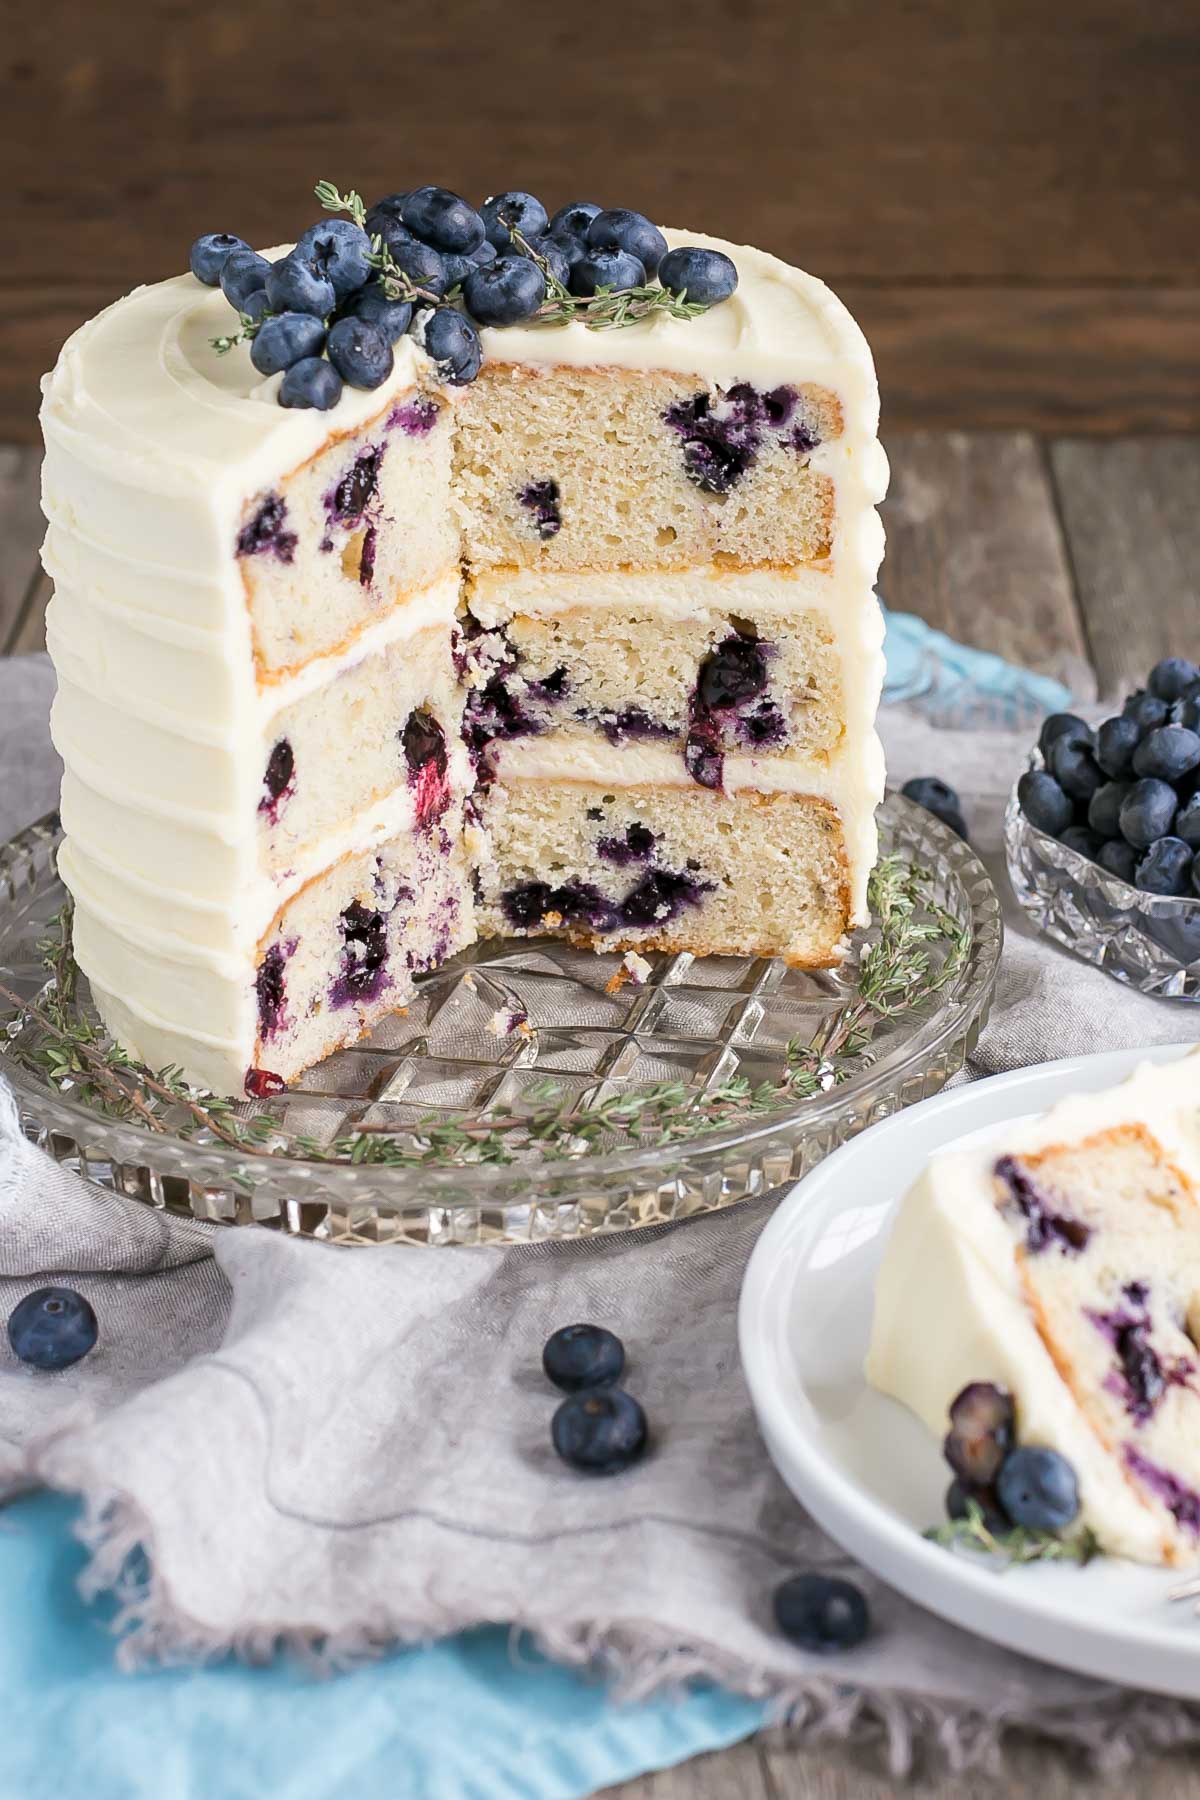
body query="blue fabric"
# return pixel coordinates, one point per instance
(467, 1719)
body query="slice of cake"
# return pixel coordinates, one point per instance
(534, 628)
(1062, 1264)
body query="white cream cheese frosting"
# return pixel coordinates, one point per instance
(154, 444)
(949, 1309)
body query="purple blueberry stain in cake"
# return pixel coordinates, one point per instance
(1181, 1501)
(720, 442)
(803, 439)
(416, 418)
(763, 728)
(366, 560)
(703, 757)
(279, 779)
(779, 405)
(631, 722)
(657, 898)
(364, 973)
(270, 988)
(636, 846)
(265, 533)
(541, 500)
(348, 500)
(1046, 1227)
(660, 896)
(729, 681)
(424, 744)
(733, 673)
(1141, 1377)
(555, 687)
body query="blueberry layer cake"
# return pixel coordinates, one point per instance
(1063, 1264)
(349, 677)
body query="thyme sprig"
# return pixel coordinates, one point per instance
(917, 950)
(1017, 1546)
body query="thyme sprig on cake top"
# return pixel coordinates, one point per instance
(1040, 1297)
(542, 605)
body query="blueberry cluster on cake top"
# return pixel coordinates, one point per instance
(1126, 794)
(426, 261)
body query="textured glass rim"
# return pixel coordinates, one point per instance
(402, 1187)
(1082, 870)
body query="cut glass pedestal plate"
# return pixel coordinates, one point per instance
(451, 1061)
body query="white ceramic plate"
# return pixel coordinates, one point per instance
(865, 1468)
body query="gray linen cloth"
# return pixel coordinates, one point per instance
(340, 1450)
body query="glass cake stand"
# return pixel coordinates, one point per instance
(522, 1029)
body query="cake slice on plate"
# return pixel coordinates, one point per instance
(1061, 1264)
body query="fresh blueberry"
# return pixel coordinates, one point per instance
(1116, 741)
(338, 250)
(573, 220)
(286, 339)
(1166, 867)
(1185, 712)
(619, 229)
(1147, 813)
(1038, 1490)
(1172, 676)
(424, 266)
(360, 353)
(599, 1431)
(1074, 768)
(939, 798)
(1169, 753)
(1187, 822)
(583, 1356)
(959, 1496)
(551, 253)
(1063, 725)
(1082, 841)
(209, 253)
(514, 211)
(1146, 710)
(982, 1432)
(505, 291)
(486, 253)
(1043, 802)
(452, 341)
(293, 285)
(385, 211)
(242, 272)
(311, 383)
(52, 1328)
(1104, 808)
(442, 219)
(256, 305)
(391, 317)
(1119, 858)
(611, 269)
(820, 1613)
(703, 276)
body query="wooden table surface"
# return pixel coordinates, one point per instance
(1062, 553)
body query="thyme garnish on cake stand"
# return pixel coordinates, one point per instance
(918, 949)
(1018, 1545)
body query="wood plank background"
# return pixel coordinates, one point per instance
(1006, 195)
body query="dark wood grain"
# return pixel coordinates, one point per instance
(1131, 512)
(1007, 194)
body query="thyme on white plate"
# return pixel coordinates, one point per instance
(918, 949)
(1017, 1546)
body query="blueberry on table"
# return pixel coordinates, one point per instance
(982, 1430)
(960, 1494)
(360, 353)
(1116, 741)
(1146, 710)
(573, 220)
(1038, 1490)
(1119, 858)
(1058, 725)
(821, 1613)
(599, 1431)
(340, 251)
(1074, 768)
(1083, 841)
(452, 341)
(620, 229)
(1172, 676)
(286, 339)
(1166, 868)
(705, 277)
(938, 798)
(242, 272)
(209, 254)
(1168, 753)
(293, 285)
(611, 269)
(583, 1356)
(1043, 802)
(312, 382)
(503, 214)
(391, 317)
(442, 219)
(1147, 812)
(505, 291)
(1104, 808)
(52, 1328)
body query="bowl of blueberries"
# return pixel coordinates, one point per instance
(1102, 834)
